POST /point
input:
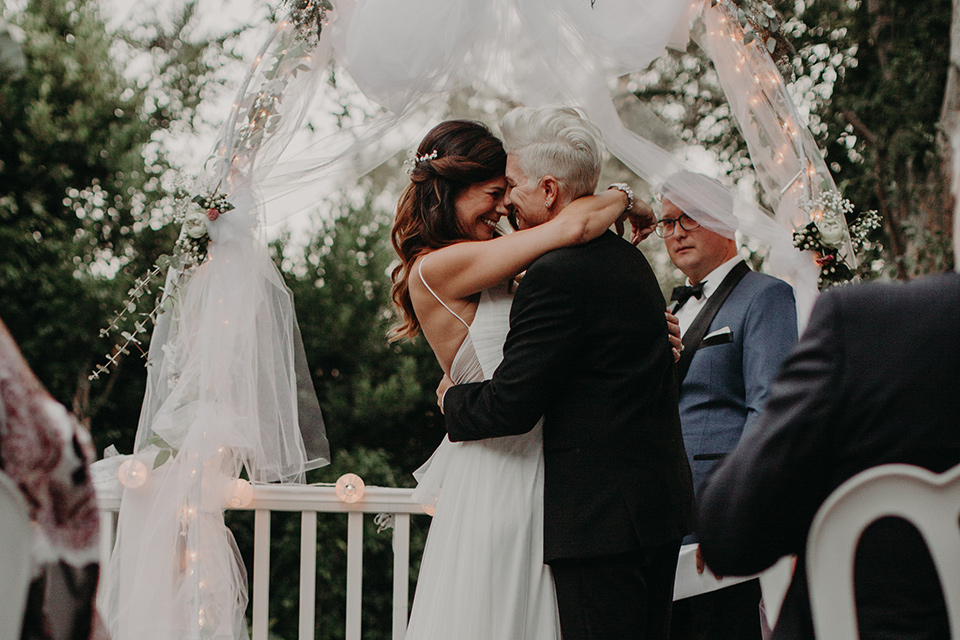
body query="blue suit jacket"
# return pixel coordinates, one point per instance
(731, 372)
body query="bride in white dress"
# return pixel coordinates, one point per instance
(482, 575)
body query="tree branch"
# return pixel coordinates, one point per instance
(897, 244)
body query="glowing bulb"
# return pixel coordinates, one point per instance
(238, 493)
(350, 488)
(132, 473)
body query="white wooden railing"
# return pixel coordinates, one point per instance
(309, 501)
(313, 499)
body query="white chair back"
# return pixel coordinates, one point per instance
(15, 557)
(929, 501)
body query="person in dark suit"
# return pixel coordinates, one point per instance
(588, 351)
(737, 327)
(873, 380)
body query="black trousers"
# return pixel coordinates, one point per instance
(619, 597)
(732, 613)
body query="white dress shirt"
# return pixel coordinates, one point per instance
(688, 312)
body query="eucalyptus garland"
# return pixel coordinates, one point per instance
(761, 22)
(308, 15)
(190, 251)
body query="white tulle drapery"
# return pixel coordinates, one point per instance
(407, 55)
(228, 389)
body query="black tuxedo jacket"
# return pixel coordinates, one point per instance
(588, 351)
(875, 379)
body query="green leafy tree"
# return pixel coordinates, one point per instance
(881, 122)
(373, 394)
(874, 89)
(82, 201)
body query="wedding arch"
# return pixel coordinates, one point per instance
(228, 388)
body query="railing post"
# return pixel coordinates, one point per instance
(106, 540)
(354, 573)
(310, 500)
(261, 573)
(401, 571)
(308, 574)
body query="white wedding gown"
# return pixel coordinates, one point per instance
(482, 576)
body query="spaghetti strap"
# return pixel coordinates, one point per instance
(420, 272)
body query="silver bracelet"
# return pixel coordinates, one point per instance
(623, 186)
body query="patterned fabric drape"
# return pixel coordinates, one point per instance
(47, 454)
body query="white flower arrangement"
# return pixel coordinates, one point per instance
(826, 234)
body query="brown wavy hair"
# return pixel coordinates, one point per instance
(466, 154)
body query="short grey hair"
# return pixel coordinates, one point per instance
(556, 141)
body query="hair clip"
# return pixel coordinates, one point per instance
(427, 156)
(414, 160)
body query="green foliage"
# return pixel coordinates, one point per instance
(871, 75)
(880, 122)
(373, 394)
(683, 89)
(82, 206)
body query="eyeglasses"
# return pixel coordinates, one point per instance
(666, 227)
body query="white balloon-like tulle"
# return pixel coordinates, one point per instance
(407, 55)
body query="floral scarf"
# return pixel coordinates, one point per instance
(46, 453)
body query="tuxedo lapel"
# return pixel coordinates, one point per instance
(698, 329)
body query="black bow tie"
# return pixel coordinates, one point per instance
(683, 293)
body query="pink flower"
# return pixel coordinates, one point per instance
(212, 214)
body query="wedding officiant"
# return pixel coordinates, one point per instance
(737, 327)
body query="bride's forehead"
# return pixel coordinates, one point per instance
(493, 184)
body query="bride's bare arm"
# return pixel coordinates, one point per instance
(461, 270)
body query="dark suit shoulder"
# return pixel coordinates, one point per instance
(600, 252)
(932, 292)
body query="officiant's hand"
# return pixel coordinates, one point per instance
(701, 565)
(673, 332)
(445, 383)
(642, 221)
